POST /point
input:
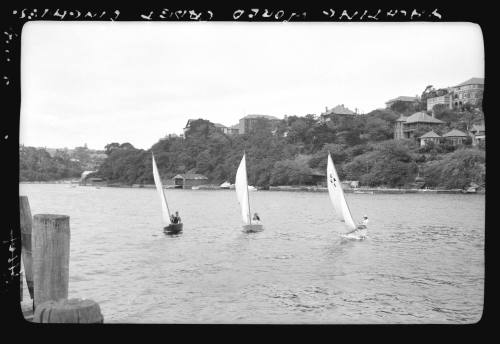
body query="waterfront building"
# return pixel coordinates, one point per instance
(188, 180)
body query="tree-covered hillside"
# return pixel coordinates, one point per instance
(362, 147)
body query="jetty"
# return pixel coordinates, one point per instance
(45, 248)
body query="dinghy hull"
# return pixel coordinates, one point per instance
(252, 228)
(173, 228)
(353, 236)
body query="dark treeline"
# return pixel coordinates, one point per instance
(362, 148)
(36, 164)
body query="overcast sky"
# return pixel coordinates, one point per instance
(96, 83)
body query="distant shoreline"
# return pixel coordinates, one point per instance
(284, 188)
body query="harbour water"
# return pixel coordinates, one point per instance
(422, 263)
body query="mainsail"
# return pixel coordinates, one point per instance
(241, 186)
(165, 213)
(337, 195)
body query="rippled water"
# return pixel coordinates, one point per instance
(422, 263)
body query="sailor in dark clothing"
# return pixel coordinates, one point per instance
(176, 218)
(256, 218)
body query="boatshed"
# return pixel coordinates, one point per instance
(188, 180)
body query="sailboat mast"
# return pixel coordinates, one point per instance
(248, 193)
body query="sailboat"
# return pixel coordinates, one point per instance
(241, 186)
(340, 204)
(165, 212)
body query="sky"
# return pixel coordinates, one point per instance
(100, 82)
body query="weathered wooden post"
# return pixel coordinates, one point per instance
(68, 311)
(21, 276)
(26, 230)
(51, 238)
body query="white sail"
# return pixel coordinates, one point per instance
(241, 186)
(337, 195)
(165, 213)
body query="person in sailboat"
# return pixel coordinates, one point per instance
(364, 222)
(176, 218)
(362, 228)
(256, 218)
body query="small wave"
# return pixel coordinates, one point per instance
(284, 256)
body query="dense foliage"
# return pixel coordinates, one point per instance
(36, 164)
(290, 152)
(457, 170)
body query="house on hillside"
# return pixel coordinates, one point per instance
(249, 122)
(455, 136)
(468, 92)
(234, 129)
(478, 134)
(188, 125)
(430, 136)
(339, 110)
(188, 180)
(445, 99)
(221, 128)
(405, 99)
(404, 127)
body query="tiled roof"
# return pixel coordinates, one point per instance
(219, 125)
(403, 99)
(422, 117)
(191, 120)
(472, 81)
(430, 134)
(455, 133)
(190, 176)
(260, 116)
(339, 110)
(402, 119)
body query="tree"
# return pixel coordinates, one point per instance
(457, 170)
(378, 129)
(37, 165)
(82, 154)
(110, 147)
(291, 172)
(391, 163)
(404, 108)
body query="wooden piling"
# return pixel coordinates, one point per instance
(68, 311)
(26, 230)
(51, 238)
